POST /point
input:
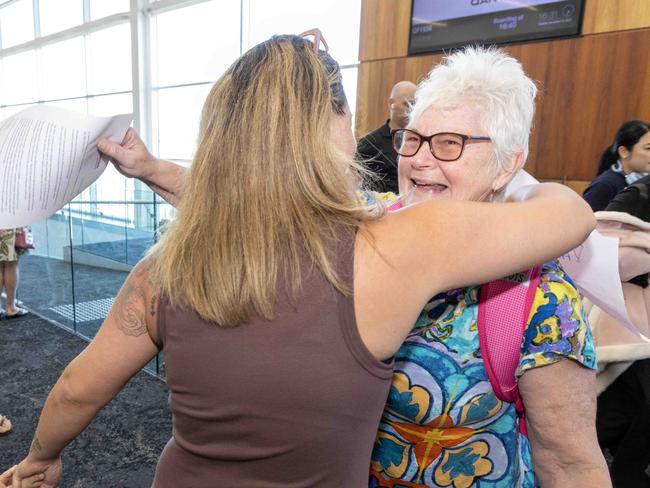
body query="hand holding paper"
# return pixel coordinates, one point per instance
(131, 157)
(47, 157)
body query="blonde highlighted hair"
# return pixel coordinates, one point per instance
(266, 185)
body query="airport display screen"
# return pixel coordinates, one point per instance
(442, 24)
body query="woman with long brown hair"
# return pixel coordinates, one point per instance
(277, 297)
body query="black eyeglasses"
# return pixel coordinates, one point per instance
(445, 146)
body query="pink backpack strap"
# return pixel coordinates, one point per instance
(503, 311)
(396, 205)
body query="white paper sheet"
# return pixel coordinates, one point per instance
(593, 266)
(48, 156)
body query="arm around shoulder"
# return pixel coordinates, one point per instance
(406, 257)
(445, 244)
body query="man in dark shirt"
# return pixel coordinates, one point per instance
(375, 149)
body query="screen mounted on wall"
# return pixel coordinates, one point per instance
(442, 24)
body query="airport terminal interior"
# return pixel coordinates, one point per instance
(158, 60)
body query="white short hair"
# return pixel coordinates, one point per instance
(491, 79)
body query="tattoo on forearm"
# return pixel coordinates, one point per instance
(36, 446)
(129, 310)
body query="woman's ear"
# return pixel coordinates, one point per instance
(514, 163)
(623, 152)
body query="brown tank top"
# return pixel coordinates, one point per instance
(291, 402)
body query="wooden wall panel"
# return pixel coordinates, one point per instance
(375, 81)
(384, 29)
(614, 15)
(577, 186)
(588, 86)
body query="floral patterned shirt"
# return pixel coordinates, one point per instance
(443, 426)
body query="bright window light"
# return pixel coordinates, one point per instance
(338, 20)
(75, 104)
(63, 74)
(179, 113)
(109, 60)
(20, 78)
(104, 8)
(16, 23)
(58, 15)
(196, 43)
(107, 105)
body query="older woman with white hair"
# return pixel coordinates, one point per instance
(443, 425)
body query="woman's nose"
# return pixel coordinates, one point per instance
(424, 158)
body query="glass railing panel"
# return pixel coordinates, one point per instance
(99, 257)
(83, 255)
(45, 283)
(109, 238)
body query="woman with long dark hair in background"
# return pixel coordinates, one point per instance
(623, 163)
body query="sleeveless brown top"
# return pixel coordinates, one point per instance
(290, 402)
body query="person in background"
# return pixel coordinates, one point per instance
(293, 298)
(9, 257)
(622, 163)
(375, 149)
(443, 424)
(623, 415)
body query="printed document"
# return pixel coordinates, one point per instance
(48, 156)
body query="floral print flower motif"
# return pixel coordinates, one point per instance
(429, 440)
(6, 242)
(394, 456)
(459, 467)
(473, 441)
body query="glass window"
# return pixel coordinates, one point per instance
(58, 15)
(19, 83)
(14, 109)
(338, 20)
(179, 114)
(47, 270)
(195, 44)
(104, 8)
(63, 73)
(110, 187)
(75, 104)
(109, 60)
(16, 23)
(107, 105)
